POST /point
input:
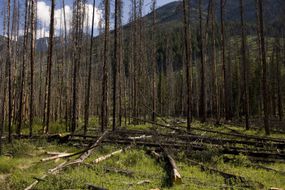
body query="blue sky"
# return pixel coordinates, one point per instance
(44, 12)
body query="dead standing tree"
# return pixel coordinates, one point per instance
(9, 73)
(245, 66)
(202, 108)
(154, 64)
(115, 63)
(215, 93)
(188, 53)
(87, 99)
(225, 82)
(104, 105)
(32, 62)
(49, 69)
(77, 37)
(23, 71)
(264, 67)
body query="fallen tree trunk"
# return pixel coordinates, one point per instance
(140, 137)
(83, 156)
(180, 129)
(120, 171)
(175, 175)
(94, 187)
(267, 168)
(61, 155)
(253, 152)
(189, 138)
(102, 158)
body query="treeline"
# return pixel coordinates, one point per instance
(208, 70)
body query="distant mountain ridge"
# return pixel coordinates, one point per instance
(273, 10)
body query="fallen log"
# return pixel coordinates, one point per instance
(102, 158)
(253, 152)
(175, 175)
(140, 137)
(189, 138)
(61, 155)
(55, 153)
(65, 164)
(120, 171)
(180, 129)
(94, 187)
(267, 168)
(143, 182)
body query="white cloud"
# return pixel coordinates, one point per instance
(43, 16)
(43, 12)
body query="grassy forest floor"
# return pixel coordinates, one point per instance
(136, 168)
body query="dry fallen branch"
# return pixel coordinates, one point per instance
(120, 171)
(140, 137)
(63, 165)
(94, 187)
(102, 158)
(61, 155)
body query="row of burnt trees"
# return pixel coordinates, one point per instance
(190, 71)
(221, 98)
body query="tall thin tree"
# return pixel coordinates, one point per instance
(115, 62)
(188, 53)
(23, 71)
(264, 67)
(153, 59)
(245, 65)
(202, 109)
(49, 69)
(225, 82)
(32, 62)
(87, 99)
(104, 105)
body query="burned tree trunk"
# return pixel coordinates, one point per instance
(104, 105)
(87, 99)
(225, 82)
(49, 69)
(23, 71)
(264, 67)
(153, 61)
(245, 66)
(188, 53)
(115, 64)
(202, 108)
(32, 62)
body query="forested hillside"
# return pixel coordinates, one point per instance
(190, 95)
